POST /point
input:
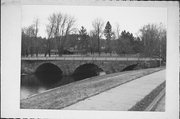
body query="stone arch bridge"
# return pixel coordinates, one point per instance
(69, 64)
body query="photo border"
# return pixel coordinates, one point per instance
(11, 58)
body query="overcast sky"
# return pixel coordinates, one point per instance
(128, 18)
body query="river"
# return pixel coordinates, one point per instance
(31, 85)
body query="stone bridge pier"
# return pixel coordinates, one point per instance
(69, 66)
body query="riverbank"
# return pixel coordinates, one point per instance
(71, 93)
(124, 97)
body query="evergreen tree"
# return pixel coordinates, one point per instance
(108, 34)
(83, 39)
(125, 43)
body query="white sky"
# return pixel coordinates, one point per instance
(128, 18)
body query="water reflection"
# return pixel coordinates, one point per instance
(86, 71)
(48, 74)
(31, 85)
(29, 91)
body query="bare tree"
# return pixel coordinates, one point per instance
(36, 29)
(25, 43)
(60, 21)
(97, 28)
(50, 28)
(154, 37)
(30, 32)
(36, 26)
(67, 28)
(59, 27)
(29, 35)
(117, 31)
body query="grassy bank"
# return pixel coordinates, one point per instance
(71, 93)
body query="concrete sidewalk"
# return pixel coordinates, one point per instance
(122, 97)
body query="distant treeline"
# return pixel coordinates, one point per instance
(63, 38)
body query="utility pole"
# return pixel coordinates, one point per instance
(99, 46)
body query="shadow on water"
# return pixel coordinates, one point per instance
(31, 84)
(48, 74)
(86, 71)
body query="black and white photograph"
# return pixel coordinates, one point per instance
(92, 58)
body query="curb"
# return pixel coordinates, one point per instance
(149, 102)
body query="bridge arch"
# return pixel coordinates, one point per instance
(48, 73)
(86, 70)
(69, 66)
